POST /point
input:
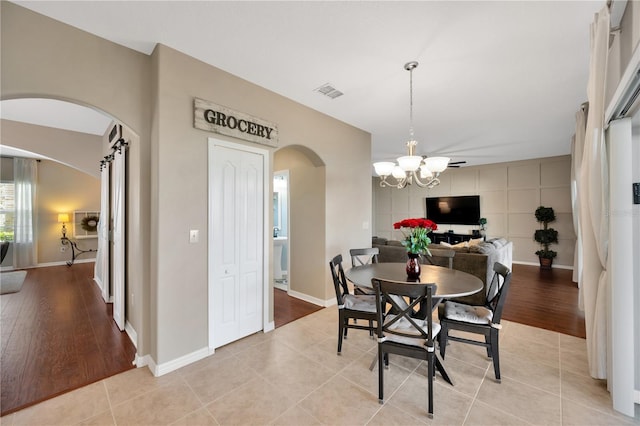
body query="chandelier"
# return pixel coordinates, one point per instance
(424, 171)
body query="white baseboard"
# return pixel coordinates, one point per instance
(538, 264)
(145, 361)
(306, 298)
(168, 367)
(131, 332)
(281, 286)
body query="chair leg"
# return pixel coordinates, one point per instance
(487, 340)
(495, 354)
(341, 331)
(442, 338)
(380, 373)
(440, 368)
(430, 372)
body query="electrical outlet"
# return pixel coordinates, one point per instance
(193, 236)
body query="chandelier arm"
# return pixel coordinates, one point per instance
(430, 183)
(401, 183)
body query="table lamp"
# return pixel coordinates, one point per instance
(63, 218)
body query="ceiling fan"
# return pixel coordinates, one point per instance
(454, 164)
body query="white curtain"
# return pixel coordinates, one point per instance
(577, 148)
(101, 271)
(25, 177)
(594, 204)
(118, 259)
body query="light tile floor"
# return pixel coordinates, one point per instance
(292, 376)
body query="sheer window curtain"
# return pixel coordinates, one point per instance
(25, 177)
(594, 204)
(577, 148)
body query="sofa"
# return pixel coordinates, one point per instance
(475, 257)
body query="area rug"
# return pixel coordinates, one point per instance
(11, 282)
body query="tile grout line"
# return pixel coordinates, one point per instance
(475, 396)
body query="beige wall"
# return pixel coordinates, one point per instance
(179, 179)
(307, 207)
(41, 57)
(509, 194)
(153, 96)
(62, 189)
(78, 150)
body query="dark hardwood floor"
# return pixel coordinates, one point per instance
(57, 334)
(287, 308)
(545, 299)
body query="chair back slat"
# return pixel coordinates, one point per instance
(364, 256)
(497, 292)
(446, 254)
(339, 279)
(396, 295)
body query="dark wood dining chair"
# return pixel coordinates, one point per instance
(484, 320)
(400, 333)
(441, 257)
(360, 257)
(350, 306)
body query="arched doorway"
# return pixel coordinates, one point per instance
(70, 154)
(306, 222)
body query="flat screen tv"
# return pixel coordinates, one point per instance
(461, 210)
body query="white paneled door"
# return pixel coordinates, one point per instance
(236, 244)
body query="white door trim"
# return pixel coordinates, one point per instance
(267, 236)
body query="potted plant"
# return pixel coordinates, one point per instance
(545, 236)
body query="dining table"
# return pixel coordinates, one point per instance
(450, 283)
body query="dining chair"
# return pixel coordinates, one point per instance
(360, 257)
(440, 257)
(483, 320)
(350, 306)
(400, 333)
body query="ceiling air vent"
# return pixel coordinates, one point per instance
(328, 90)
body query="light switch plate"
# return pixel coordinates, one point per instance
(194, 236)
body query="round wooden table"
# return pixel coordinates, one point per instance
(450, 282)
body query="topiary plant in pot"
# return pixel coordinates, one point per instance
(545, 236)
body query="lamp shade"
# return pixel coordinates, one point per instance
(436, 164)
(63, 217)
(410, 163)
(383, 168)
(398, 173)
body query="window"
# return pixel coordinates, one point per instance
(7, 211)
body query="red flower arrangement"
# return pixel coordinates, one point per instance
(416, 238)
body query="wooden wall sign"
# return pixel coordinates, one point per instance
(219, 119)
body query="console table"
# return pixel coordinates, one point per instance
(75, 251)
(451, 237)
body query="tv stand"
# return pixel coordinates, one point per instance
(451, 237)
